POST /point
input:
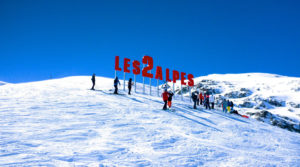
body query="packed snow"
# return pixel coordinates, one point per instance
(61, 122)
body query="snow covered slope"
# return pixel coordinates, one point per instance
(269, 98)
(63, 123)
(2, 83)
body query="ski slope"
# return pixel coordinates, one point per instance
(61, 122)
(2, 83)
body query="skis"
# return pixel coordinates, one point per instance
(108, 92)
(121, 94)
(170, 109)
(193, 108)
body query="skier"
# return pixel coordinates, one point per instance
(165, 97)
(212, 101)
(129, 85)
(224, 105)
(116, 82)
(206, 101)
(228, 106)
(198, 100)
(171, 94)
(93, 81)
(236, 112)
(201, 98)
(194, 97)
(231, 105)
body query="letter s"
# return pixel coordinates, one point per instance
(191, 80)
(136, 66)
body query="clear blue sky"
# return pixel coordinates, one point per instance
(40, 38)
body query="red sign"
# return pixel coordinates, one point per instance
(148, 61)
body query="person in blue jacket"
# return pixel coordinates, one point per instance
(224, 105)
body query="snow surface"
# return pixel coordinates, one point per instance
(2, 83)
(62, 123)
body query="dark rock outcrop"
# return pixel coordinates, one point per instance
(185, 89)
(292, 104)
(263, 105)
(239, 94)
(246, 104)
(276, 120)
(275, 102)
(296, 89)
(209, 86)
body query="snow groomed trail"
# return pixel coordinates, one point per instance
(62, 123)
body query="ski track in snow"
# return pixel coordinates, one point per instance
(62, 123)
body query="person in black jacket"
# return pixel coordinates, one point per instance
(93, 81)
(206, 101)
(194, 97)
(171, 94)
(129, 85)
(116, 82)
(231, 105)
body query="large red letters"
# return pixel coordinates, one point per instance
(191, 81)
(175, 76)
(183, 78)
(126, 65)
(136, 66)
(168, 75)
(117, 64)
(146, 71)
(147, 60)
(158, 74)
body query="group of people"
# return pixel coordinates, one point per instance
(227, 106)
(116, 84)
(203, 99)
(209, 101)
(167, 98)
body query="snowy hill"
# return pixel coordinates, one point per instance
(2, 83)
(269, 98)
(62, 123)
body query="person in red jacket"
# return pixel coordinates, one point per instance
(201, 98)
(165, 97)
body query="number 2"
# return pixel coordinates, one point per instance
(149, 61)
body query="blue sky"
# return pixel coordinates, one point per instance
(43, 39)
